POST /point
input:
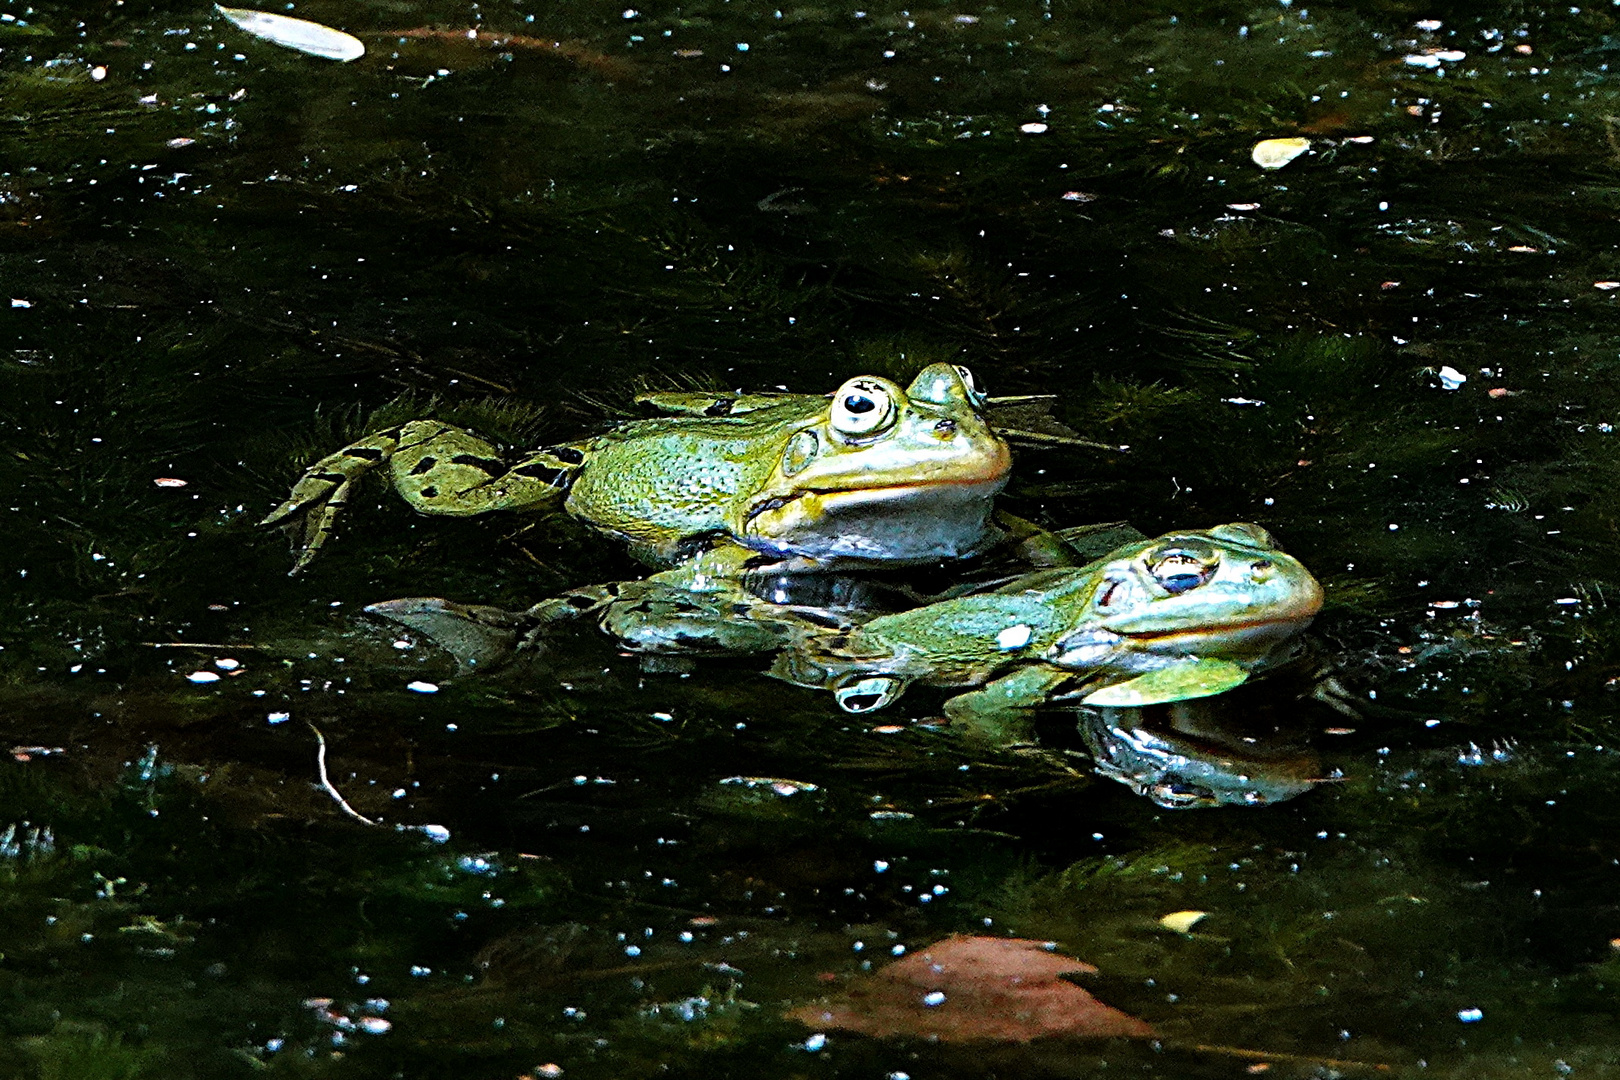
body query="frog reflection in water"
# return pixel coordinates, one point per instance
(1183, 616)
(1249, 746)
(875, 475)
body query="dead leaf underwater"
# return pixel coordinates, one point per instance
(973, 989)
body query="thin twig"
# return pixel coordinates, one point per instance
(194, 645)
(326, 781)
(1297, 1059)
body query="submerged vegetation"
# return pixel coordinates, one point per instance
(1396, 352)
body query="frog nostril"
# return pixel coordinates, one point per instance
(945, 427)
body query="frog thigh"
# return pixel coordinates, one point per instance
(1002, 710)
(1192, 678)
(442, 469)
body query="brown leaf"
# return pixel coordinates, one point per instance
(966, 989)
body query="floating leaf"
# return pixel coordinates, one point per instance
(1182, 921)
(300, 34)
(967, 989)
(1275, 153)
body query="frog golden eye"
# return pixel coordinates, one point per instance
(1180, 571)
(975, 392)
(861, 407)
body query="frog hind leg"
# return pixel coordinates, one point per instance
(1003, 711)
(322, 481)
(437, 468)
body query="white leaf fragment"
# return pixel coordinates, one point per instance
(300, 34)
(1275, 153)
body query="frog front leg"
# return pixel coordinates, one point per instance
(437, 468)
(1003, 710)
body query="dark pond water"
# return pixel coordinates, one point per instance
(224, 258)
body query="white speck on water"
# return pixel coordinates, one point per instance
(879, 865)
(1451, 378)
(225, 663)
(1470, 1016)
(420, 687)
(1033, 128)
(933, 998)
(203, 677)
(815, 1042)
(279, 717)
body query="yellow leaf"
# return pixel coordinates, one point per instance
(1182, 922)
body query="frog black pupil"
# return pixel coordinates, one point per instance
(858, 404)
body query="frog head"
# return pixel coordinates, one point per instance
(883, 473)
(1228, 592)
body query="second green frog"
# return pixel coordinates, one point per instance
(1185, 615)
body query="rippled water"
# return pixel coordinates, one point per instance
(1397, 352)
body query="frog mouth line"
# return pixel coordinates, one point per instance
(1215, 629)
(879, 493)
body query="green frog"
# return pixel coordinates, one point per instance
(875, 474)
(1186, 615)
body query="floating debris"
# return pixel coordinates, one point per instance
(1182, 921)
(973, 989)
(1275, 153)
(168, 482)
(1451, 378)
(300, 35)
(780, 785)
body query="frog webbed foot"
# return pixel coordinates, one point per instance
(310, 512)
